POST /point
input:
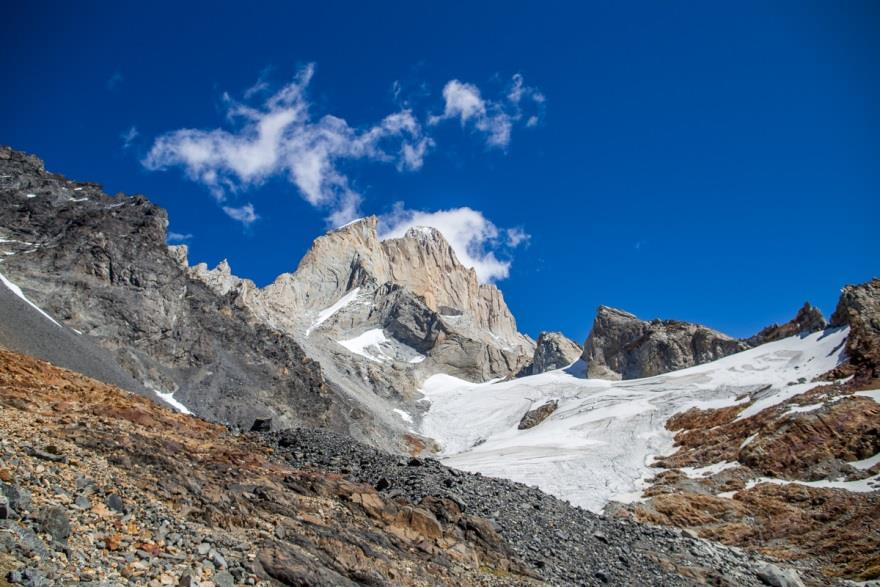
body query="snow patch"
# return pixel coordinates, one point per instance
(168, 398)
(368, 345)
(874, 394)
(861, 486)
(326, 313)
(708, 470)
(803, 409)
(748, 441)
(866, 464)
(17, 291)
(375, 346)
(29, 196)
(403, 415)
(355, 221)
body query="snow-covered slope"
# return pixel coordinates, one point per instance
(598, 445)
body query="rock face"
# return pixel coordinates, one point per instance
(808, 319)
(859, 308)
(413, 289)
(100, 265)
(621, 346)
(553, 351)
(341, 342)
(382, 316)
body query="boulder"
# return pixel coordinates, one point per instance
(534, 417)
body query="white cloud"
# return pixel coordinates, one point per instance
(280, 136)
(494, 118)
(244, 214)
(276, 134)
(473, 237)
(517, 236)
(129, 136)
(179, 237)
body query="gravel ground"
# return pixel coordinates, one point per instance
(567, 545)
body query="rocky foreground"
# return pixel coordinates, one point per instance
(102, 487)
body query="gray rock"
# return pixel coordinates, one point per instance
(621, 346)
(217, 559)
(553, 351)
(115, 503)
(19, 498)
(564, 544)
(774, 576)
(6, 510)
(55, 522)
(261, 425)
(223, 579)
(153, 321)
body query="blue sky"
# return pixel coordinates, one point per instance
(711, 162)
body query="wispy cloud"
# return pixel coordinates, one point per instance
(517, 237)
(494, 118)
(244, 214)
(280, 136)
(476, 240)
(179, 237)
(277, 134)
(129, 136)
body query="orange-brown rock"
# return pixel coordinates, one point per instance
(809, 437)
(294, 527)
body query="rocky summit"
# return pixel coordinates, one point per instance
(621, 346)
(375, 417)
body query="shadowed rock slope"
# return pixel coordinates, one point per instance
(100, 265)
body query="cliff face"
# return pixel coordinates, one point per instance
(100, 265)
(621, 346)
(859, 308)
(404, 293)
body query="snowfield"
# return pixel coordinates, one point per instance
(599, 443)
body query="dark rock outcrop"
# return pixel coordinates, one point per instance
(101, 265)
(859, 308)
(808, 320)
(622, 346)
